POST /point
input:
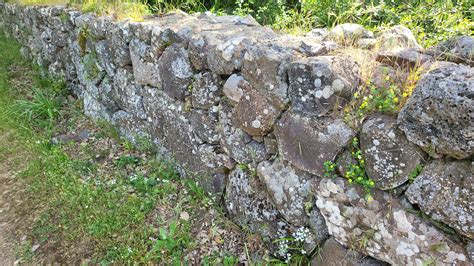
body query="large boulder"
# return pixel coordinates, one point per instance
(333, 253)
(381, 228)
(445, 191)
(307, 142)
(439, 116)
(319, 85)
(389, 156)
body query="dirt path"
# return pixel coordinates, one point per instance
(11, 201)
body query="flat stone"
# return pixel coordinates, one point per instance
(307, 142)
(403, 58)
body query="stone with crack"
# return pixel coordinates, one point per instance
(445, 191)
(175, 68)
(307, 142)
(288, 188)
(265, 68)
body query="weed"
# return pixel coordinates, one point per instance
(292, 248)
(170, 242)
(330, 169)
(355, 170)
(41, 110)
(126, 160)
(414, 173)
(143, 143)
(91, 66)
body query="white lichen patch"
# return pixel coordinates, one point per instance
(181, 69)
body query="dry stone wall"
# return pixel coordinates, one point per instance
(253, 115)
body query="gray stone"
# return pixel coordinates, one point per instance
(250, 207)
(198, 47)
(439, 116)
(204, 123)
(381, 228)
(131, 127)
(264, 67)
(318, 225)
(395, 38)
(145, 67)
(445, 191)
(175, 68)
(319, 85)
(233, 88)
(333, 253)
(403, 58)
(288, 188)
(120, 36)
(254, 113)
(319, 33)
(127, 94)
(470, 250)
(175, 136)
(237, 143)
(459, 50)
(226, 56)
(348, 33)
(307, 142)
(206, 90)
(367, 43)
(389, 156)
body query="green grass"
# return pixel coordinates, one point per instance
(432, 21)
(107, 219)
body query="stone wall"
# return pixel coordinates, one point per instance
(253, 115)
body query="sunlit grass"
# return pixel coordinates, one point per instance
(134, 10)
